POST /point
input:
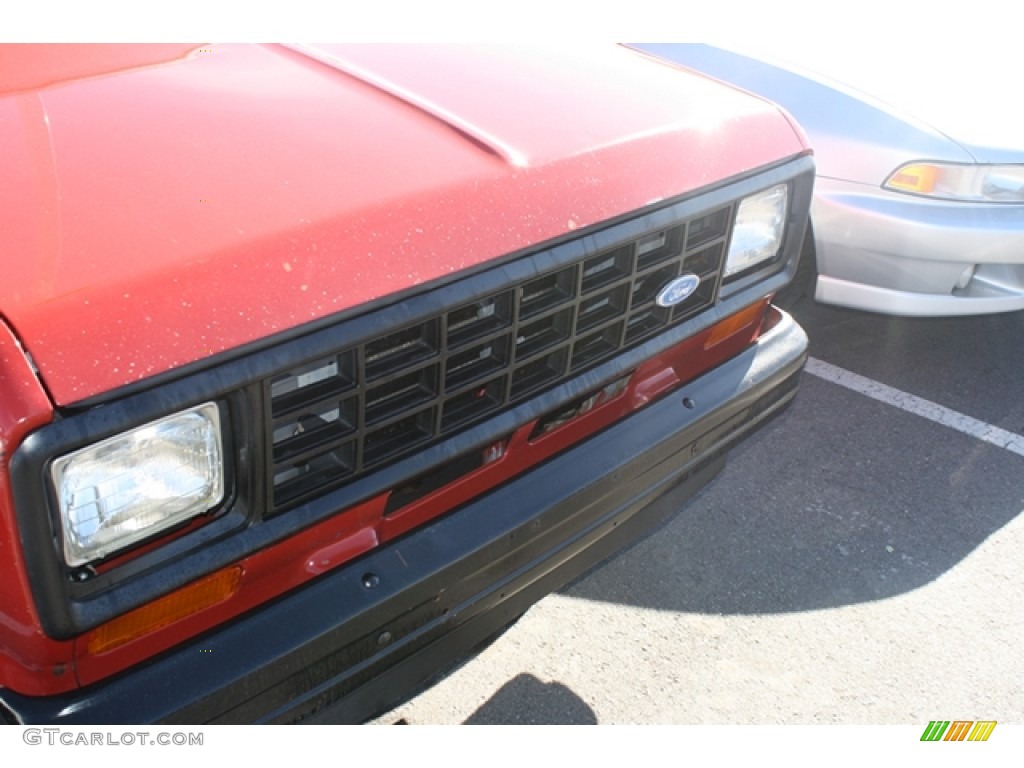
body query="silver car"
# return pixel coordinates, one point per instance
(919, 207)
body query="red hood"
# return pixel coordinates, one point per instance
(163, 205)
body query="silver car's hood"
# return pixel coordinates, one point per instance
(968, 92)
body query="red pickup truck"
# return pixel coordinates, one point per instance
(320, 365)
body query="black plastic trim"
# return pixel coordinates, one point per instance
(511, 376)
(66, 609)
(340, 650)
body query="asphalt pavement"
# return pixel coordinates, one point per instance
(856, 562)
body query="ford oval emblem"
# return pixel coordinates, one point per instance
(678, 291)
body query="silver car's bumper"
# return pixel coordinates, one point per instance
(893, 253)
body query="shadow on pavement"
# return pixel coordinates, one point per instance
(526, 700)
(840, 500)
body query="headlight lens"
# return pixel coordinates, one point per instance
(757, 234)
(973, 183)
(128, 487)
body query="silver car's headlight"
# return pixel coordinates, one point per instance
(757, 234)
(972, 183)
(133, 485)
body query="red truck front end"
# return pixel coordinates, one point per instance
(320, 365)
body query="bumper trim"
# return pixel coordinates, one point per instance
(872, 298)
(899, 254)
(337, 650)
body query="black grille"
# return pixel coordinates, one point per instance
(356, 409)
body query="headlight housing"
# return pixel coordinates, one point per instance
(757, 233)
(970, 183)
(131, 486)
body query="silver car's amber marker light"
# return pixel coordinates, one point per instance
(971, 183)
(133, 485)
(757, 234)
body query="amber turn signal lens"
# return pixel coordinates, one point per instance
(734, 324)
(208, 591)
(917, 178)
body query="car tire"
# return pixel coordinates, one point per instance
(802, 286)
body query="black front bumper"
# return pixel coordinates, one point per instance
(363, 637)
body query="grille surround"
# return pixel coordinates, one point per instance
(360, 407)
(236, 379)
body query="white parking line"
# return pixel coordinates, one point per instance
(913, 404)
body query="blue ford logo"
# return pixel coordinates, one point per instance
(678, 290)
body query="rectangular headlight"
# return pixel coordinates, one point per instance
(130, 486)
(757, 234)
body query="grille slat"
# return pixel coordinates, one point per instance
(397, 437)
(658, 247)
(546, 292)
(479, 319)
(401, 349)
(476, 363)
(401, 394)
(542, 334)
(318, 425)
(356, 409)
(479, 400)
(313, 381)
(607, 268)
(597, 346)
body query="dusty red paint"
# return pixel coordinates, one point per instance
(27, 656)
(161, 205)
(172, 211)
